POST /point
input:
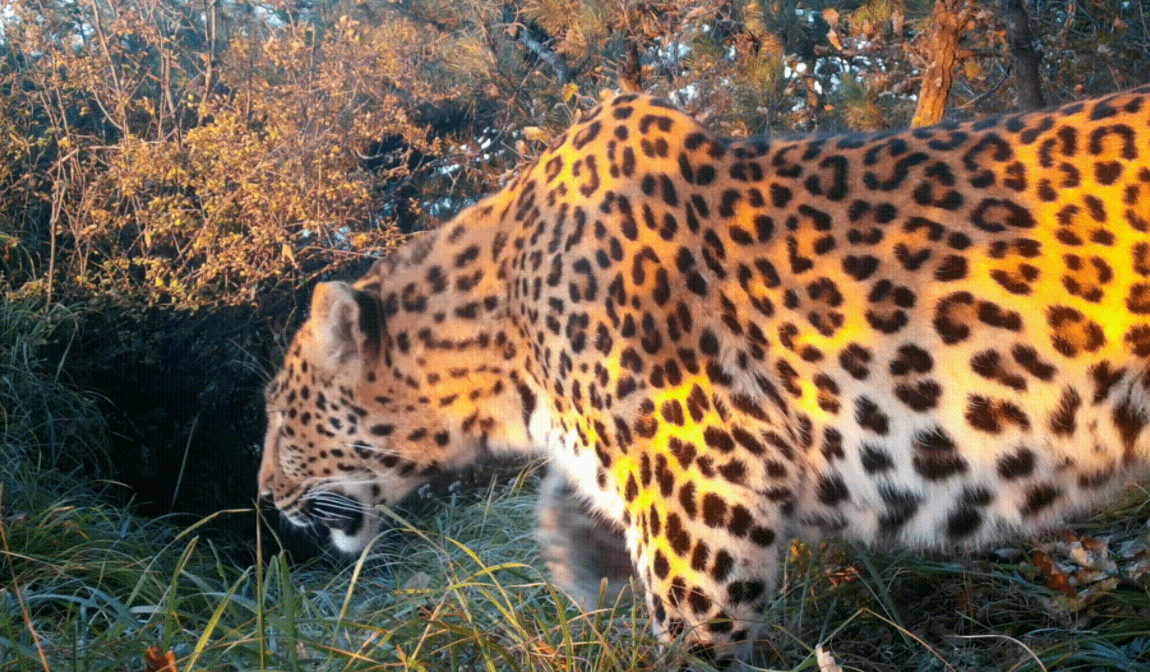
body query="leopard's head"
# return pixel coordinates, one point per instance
(348, 428)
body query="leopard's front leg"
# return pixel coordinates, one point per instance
(707, 553)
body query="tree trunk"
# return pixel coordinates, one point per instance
(947, 26)
(1026, 56)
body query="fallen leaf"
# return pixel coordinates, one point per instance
(826, 661)
(1054, 576)
(534, 133)
(833, 38)
(156, 660)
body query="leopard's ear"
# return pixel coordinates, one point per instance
(347, 324)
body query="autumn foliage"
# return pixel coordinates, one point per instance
(186, 154)
(201, 152)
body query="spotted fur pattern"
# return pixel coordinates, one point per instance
(929, 337)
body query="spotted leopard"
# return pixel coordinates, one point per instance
(928, 337)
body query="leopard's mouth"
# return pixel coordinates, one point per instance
(349, 518)
(346, 517)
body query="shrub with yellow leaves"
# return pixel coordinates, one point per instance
(185, 159)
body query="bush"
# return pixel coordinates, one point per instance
(161, 154)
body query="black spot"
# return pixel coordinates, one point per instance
(1039, 497)
(860, 267)
(854, 359)
(1090, 481)
(869, 416)
(901, 505)
(992, 415)
(664, 475)
(700, 603)
(678, 537)
(1027, 357)
(1105, 379)
(950, 329)
(988, 364)
(714, 510)
(993, 315)
(762, 536)
(1130, 421)
(660, 565)
(672, 412)
(832, 446)
(1138, 301)
(875, 459)
(1073, 331)
(936, 456)
(740, 521)
(646, 427)
(744, 591)
(708, 343)
(1062, 420)
(718, 439)
(697, 404)
(911, 358)
(952, 268)
(724, 563)
(1138, 340)
(1019, 464)
(631, 489)
(733, 471)
(832, 489)
(687, 499)
(699, 556)
(997, 215)
(919, 396)
(963, 522)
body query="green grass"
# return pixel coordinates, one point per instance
(88, 587)
(42, 418)
(93, 587)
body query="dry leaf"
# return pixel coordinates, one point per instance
(570, 90)
(534, 133)
(1055, 579)
(157, 661)
(831, 16)
(833, 38)
(826, 661)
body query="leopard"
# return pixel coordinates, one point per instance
(927, 338)
(585, 554)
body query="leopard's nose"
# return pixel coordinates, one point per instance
(266, 477)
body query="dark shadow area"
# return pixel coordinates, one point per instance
(182, 393)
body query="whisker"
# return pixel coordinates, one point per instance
(321, 483)
(347, 445)
(337, 499)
